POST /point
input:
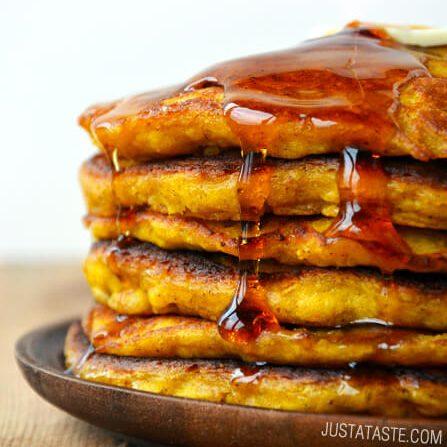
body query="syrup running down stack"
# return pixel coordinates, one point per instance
(270, 227)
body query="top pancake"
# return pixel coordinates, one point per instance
(186, 122)
(358, 87)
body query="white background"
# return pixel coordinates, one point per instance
(57, 57)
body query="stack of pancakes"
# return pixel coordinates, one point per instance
(346, 255)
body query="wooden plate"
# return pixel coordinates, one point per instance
(190, 422)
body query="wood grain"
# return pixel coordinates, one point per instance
(34, 295)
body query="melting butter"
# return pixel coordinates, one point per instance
(421, 37)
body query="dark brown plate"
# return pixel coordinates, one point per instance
(190, 422)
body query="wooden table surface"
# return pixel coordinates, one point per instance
(35, 295)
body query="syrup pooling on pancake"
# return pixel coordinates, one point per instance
(351, 78)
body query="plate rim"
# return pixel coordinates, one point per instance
(28, 362)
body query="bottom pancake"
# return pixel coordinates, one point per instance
(388, 392)
(170, 336)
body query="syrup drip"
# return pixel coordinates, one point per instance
(365, 214)
(115, 164)
(248, 313)
(119, 246)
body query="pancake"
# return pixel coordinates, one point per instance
(188, 337)
(387, 392)
(290, 241)
(143, 279)
(181, 123)
(207, 188)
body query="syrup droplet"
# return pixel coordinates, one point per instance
(376, 321)
(120, 318)
(246, 374)
(81, 361)
(248, 314)
(346, 389)
(112, 329)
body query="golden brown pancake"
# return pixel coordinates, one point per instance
(290, 241)
(184, 122)
(143, 279)
(188, 337)
(388, 392)
(207, 188)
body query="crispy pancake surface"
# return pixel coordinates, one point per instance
(207, 188)
(183, 122)
(394, 392)
(143, 279)
(187, 337)
(290, 241)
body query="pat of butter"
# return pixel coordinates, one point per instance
(421, 37)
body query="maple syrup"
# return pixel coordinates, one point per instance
(365, 214)
(81, 361)
(348, 83)
(112, 329)
(248, 313)
(247, 374)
